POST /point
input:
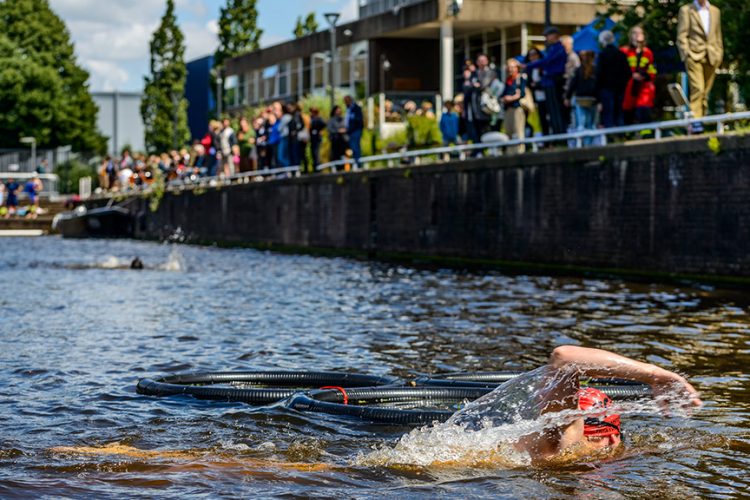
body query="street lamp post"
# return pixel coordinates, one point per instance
(547, 13)
(175, 117)
(332, 18)
(385, 66)
(218, 75)
(32, 141)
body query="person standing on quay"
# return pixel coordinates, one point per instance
(701, 47)
(553, 78)
(355, 123)
(337, 134)
(612, 76)
(641, 91)
(515, 119)
(317, 126)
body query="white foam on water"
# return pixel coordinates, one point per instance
(175, 262)
(112, 262)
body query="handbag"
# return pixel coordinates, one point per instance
(489, 103)
(527, 102)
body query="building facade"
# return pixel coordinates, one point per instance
(400, 47)
(200, 95)
(119, 119)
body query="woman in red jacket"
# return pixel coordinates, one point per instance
(640, 92)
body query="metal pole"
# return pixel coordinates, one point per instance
(547, 14)
(219, 94)
(175, 114)
(332, 76)
(115, 131)
(33, 154)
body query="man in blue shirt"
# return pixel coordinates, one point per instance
(355, 123)
(553, 78)
(449, 125)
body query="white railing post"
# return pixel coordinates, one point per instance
(84, 188)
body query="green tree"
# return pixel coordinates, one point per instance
(164, 107)
(306, 27)
(41, 38)
(311, 25)
(659, 20)
(238, 30)
(30, 97)
(299, 28)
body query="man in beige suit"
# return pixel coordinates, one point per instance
(701, 47)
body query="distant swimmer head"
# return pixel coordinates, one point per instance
(601, 429)
(137, 263)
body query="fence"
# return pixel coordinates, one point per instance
(23, 160)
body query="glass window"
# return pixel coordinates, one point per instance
(242, 91)
(283, 79)
(294, 77)
(251, 88)
(319, 68)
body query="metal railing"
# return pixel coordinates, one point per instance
(453, 153)
(22, 160)
(599, 137)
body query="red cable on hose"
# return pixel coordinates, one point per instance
(341, 390)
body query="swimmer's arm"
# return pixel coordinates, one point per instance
(601, 363)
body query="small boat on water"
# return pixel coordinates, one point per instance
(104, 222)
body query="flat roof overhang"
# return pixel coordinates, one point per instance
(361, 30)
(421, 20)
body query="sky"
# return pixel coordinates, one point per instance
(112, 37)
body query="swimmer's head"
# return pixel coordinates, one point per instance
(601, 430)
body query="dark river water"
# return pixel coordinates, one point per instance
(77, 332)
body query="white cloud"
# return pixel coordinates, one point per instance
(350, 11)
(200, 39)
(106, 75)
(112, 37)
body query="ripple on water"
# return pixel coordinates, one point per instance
(80, 327)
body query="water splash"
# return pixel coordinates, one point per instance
(175, 262)
(486, 431)
(178, 236)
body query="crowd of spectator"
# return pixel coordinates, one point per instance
(556, 91)
(280, 135)
(550, 91)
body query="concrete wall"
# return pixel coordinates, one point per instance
(676, 206)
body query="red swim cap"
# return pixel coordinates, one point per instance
(600, 424)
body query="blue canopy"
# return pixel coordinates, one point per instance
(587, 38)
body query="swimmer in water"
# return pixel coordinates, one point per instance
(598, 433)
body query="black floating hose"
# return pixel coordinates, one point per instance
(359, 400)
(493, 379)
(283, 384)
(331, 402)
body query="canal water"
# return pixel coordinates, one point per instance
(78, 329)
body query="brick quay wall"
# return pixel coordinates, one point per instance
(677, 206)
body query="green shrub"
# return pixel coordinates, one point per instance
(423, 132)
(71, 172)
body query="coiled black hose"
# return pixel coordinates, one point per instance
(360, 401)
(283, 384)
(493, 379)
